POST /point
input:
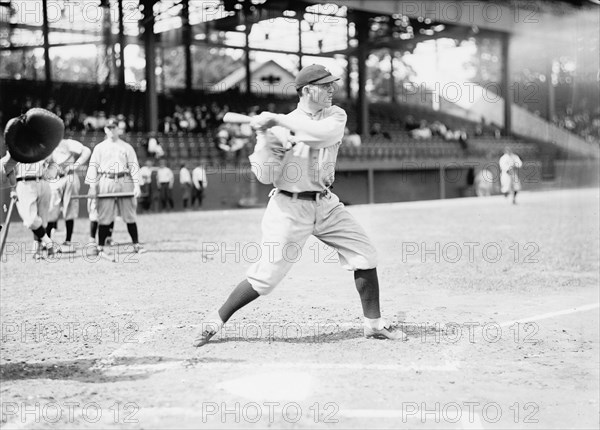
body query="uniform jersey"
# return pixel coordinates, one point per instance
(33, 194)
(509, 179)
(310, 164)
(110, 157)
(61, 186)
(65, 154)
(509, 161)
(289, 221)
(114, 168)
(30, 170)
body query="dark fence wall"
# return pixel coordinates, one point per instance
(227, 187)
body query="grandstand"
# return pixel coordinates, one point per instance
(485, 130)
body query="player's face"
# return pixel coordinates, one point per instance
(322, 94)
(113, 132)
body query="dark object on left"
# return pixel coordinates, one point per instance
(33, 136)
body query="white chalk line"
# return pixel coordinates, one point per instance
(448, 366)
(548, 315)
(224, 411)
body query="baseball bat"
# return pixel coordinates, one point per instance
(237, 118)
(103, 196)
(5, 228)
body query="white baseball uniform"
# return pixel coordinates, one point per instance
(509, 179)
(64, 182)
(114, 168)
(303, 205)
(33, 193)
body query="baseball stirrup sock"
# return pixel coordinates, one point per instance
(70, 224)
(51, 226)
(367, 285)
(38, 233)
(93, 228)
(239, 297)
(132, 229)
(103, 233)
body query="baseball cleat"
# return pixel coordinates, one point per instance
(67, 247)
(53, 250)
(137, 248)
(210, 328)
(384, 333)
(382, 329)
(110, 242)
(106, 255)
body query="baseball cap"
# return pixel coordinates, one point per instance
(314, 74)
(111, 123)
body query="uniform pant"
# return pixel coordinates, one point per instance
(126, 206)
(165, 196)
(288, 223)
(197, 194)
(509, 181)
(186, 193)
(60, 202)
(33, 203)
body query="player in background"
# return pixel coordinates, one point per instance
(509, 177)
(33, 200)
(64, 182)
(114, 168)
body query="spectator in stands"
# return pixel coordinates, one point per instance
(131, 123)
(146, 185)
(377, 131)
(202, 117)
(200, 183)
(185, 180)
(154, 147)
(438, 129)
(91, 122)
(122, 123)
(101, 120)
(497, 132)
(423, 132)
(411, 123)
(166, 180)
(463, 139)
(230, 139)
(351, 139)
(168, 126)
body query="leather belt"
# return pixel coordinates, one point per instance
(62, 175)
(115, 175)
(305, 195)
(29, 178)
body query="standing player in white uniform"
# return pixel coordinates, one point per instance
(302, 205)
(114, 168)
(33, 199)
(509, 178)
(68, 156)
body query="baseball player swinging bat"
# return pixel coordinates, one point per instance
(239, 118)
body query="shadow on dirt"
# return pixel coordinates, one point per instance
(87, 370)
(327, 333)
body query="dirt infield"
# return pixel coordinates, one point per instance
(500, 303)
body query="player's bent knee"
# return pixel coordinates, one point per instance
(359, 263)
(33, 223)
(260, 287)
